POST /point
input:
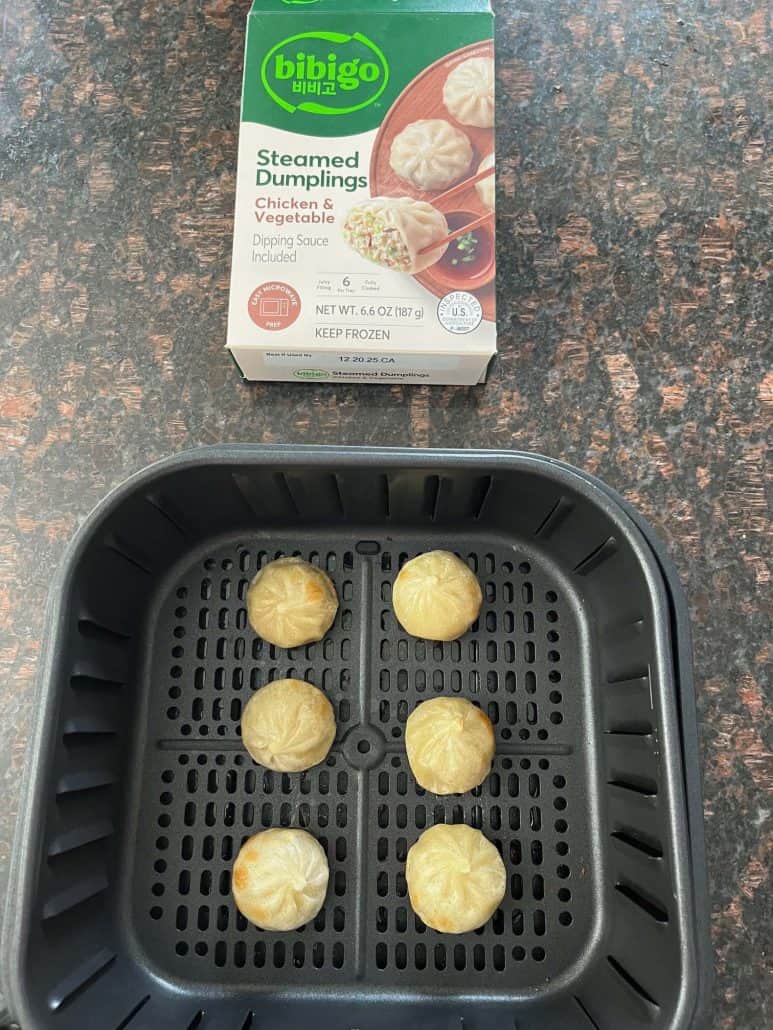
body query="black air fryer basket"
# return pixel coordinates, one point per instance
(140, 793)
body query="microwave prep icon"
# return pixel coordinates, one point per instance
(274, 307)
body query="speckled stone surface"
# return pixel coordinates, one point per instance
(635, 313)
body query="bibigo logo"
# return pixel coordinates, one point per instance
(311, 373)
(326, 73)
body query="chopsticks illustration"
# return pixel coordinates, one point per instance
(451, 194)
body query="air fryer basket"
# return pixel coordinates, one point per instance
(140, 792)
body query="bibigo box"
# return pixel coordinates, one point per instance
(365, 231)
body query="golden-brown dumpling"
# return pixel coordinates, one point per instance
(291, 603)
(288, 726)
(436, 596)
(456, 878)
(450, 745)
(280, 879)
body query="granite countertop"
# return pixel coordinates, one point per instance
(635, 314)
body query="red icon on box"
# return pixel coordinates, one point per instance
(274, 306)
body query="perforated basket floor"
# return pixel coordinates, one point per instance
(149, 794)
(202, 795)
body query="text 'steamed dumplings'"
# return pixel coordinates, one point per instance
(450, 745)
(431, 154)
(291, 603)
(288, 726)
(280, 879)
(436, 596)
(456, 878)
(469, 92)
(393, 231)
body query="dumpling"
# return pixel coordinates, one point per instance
(392, 232)
(487, 188)
(280, 879)
(436, 596)
(288, 726)
(450, 745)
(456, 878)
(431, 154)
(469, 92)
(291, 603)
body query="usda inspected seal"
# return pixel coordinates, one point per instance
(460, 312)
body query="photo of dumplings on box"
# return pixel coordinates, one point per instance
(433, 178)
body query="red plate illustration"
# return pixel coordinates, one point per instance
(422, 99)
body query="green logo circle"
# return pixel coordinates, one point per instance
(310, 373)
(325, 73)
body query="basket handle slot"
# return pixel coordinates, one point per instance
(81, 978)
(648, 904)
(634, 984)
(134, 1012)
(651, 848)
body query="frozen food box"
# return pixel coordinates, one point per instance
(365, 230)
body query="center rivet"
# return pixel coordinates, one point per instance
(364, 746)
